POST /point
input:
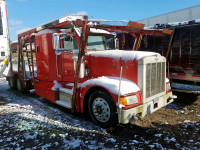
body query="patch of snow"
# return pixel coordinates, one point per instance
(46, 31)
(120, 105)
(32, 91)
(72, 144)
(186, 121)
(52, 135)
(28, 136)
(46, 146)
(112, 84)
(166, 80)
(56, 86)
(151, 146)
(182, 112)
(135, 142)
(172, 140)
(158, 135)
(9, 139)
(93, 30)
(122, 54)
(63, 135)
(111, 140)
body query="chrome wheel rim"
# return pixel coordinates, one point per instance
(101, 109)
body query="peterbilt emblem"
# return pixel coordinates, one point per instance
(156, 59)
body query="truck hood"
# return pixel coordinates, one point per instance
(111, 62)
(124, 55)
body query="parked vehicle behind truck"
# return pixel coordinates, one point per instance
(4, 38)
(182, 55)
(78, 66)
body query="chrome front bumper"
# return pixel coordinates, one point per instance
(127, 115)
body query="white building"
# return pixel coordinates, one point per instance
(186, 14)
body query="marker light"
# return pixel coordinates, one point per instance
(5, 61)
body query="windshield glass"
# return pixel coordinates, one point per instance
(100, 42)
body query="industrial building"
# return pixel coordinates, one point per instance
(191, 13)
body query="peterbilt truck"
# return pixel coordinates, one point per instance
(78, 65)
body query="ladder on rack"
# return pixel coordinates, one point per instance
(30, 54)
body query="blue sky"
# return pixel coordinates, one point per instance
(24, 14)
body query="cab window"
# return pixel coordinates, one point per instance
(100, 42)
(70, 43)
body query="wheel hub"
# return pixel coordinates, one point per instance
(101, 109)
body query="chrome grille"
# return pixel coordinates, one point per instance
(155, 78)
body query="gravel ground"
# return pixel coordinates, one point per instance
(31, 122)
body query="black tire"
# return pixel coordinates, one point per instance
(102, 109)
(20, 86)
(12, 82)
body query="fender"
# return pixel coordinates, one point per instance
(111, 85)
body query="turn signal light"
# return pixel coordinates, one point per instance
(5, 61)
(123, 101)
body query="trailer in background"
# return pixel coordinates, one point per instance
(183, 55)
(4, 39)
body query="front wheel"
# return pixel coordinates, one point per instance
(102, 109)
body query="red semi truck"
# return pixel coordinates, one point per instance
(78, 66)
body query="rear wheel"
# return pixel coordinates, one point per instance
(20, 86)
(102, 109)
(12, 82)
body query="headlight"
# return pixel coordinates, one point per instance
(128, 100)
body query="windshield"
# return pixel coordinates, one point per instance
(100, 42)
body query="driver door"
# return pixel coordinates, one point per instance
(69, 57)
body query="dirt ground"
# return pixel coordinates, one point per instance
(30, 122)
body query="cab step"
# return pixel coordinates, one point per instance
(64, 104)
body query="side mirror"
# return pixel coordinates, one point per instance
(56, 41)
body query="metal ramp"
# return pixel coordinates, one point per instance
(29, 53)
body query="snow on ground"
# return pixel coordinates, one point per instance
(25, 117)
(30, 122)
